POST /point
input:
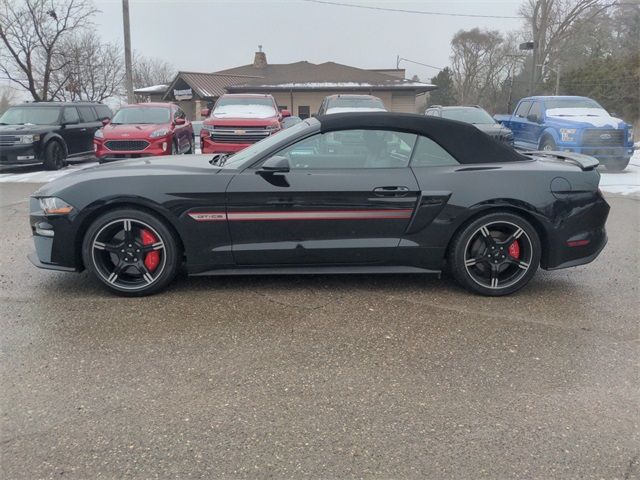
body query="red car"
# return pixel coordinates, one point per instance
(144, 130)
(238, 120)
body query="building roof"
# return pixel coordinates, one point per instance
(329, 75)
(207, 85)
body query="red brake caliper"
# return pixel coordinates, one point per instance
(514, 249)
(152, 259)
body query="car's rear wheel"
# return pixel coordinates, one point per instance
(496, 254)
(548, 144)
(54, 156)
(131, 252)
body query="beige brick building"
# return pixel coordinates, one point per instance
(298, 87)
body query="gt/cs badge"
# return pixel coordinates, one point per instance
(208, 216)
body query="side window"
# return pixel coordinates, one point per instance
(304, 111)
(70, 115)
(103, 112)
(429, 154)
(522, 109)
(88, 114)
(351, 149)
(536, 109)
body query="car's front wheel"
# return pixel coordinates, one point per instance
(54, 156)
(617, 165)
(131, 252)
(548, 144)
(496, 254)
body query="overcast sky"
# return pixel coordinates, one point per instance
(209, 35)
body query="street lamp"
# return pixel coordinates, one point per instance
(557, 72)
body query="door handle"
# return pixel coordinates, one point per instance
(391, 191)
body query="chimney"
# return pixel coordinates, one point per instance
(260, 58)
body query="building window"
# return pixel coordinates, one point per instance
(283, 107)
(304, 111)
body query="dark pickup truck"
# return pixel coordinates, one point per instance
(571, 124)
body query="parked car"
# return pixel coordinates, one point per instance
(343, 103)
(412, 199)
(571, 124)
(237, 121)
(290, 121)
(144, 130)
(49, 133)
(476, 116)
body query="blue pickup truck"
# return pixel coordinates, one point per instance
(570, 124)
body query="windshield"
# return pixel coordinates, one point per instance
(468, 115)
(571, 103)
(31, 115)
(356, 102)
(245, 107)
(248, 153)
(150, 115)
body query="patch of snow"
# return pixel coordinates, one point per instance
(407, 83)
(354, 109)
(626, 182)
(152, 89)
(598, 117)
(244, 111)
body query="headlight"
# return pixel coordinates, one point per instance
(29, 138)
(208, 128)
(630, 135)
(159, 133)
(55, 206)
(568, 134)
(99, 134)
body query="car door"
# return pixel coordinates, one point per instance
(534, 126)
(89, 120)
(518, 124)
(73, 131)
(347, 199)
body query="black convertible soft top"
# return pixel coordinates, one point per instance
(462, 140)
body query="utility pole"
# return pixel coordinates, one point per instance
(127, 51)
(558, 79)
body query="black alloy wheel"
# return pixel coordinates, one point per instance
(131, 252)
(495, 255)
(54, 157)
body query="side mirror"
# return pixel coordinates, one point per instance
(533, 118)
(106, 121)
(285, 113)
(179, 121)
(275, 164)
(204, 112)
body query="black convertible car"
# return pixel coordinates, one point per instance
(344, 193)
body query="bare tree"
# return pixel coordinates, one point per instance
(8, 96)
(550, 24)
(31, 34)
(479, 64)
(90, 70)
(151, 71)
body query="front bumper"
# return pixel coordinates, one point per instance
(209, 146)
(156, 147)
(54, 240)
(19, 155)
(604, 154)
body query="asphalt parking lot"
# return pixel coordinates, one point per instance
(322, 376)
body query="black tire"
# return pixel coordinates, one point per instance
(174, 148)
(117, 256)
(617, 165)
(54, 156)
(474, 257)
(548, 144)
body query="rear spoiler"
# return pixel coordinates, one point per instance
(585, 162)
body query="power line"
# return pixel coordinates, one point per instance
(419, 12)
(400, 59)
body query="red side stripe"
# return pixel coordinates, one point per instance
(303, 215)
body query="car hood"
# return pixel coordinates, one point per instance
(584, 117)
(241, 121)
(147, 167)
(112, 131)
(24, 129)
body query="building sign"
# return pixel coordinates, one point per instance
(186, 94)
